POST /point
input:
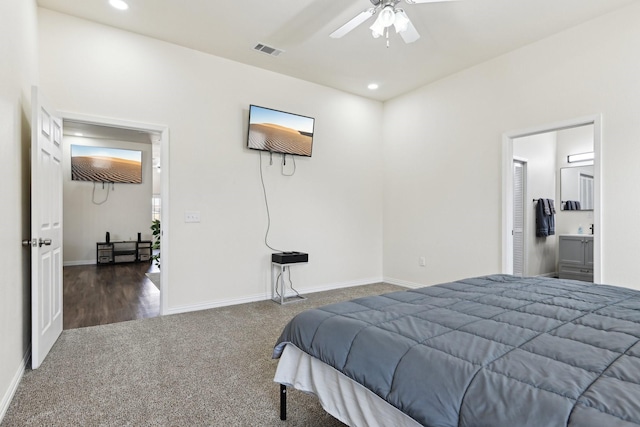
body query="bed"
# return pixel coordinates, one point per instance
(487, 351)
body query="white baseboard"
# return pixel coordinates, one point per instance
(72, 263)
(341, 285)
(552, 275)
(406, 284)
(267, 296)
(13, 386)
(216, 304)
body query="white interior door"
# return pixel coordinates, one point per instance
(46, 228)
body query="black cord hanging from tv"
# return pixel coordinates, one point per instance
(284, 163)
(266, 203)
(93, 194)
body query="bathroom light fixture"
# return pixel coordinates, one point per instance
(580, 157)
(119, 4)
(373, 86)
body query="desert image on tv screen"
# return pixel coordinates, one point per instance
(280, 132)
(103, 164)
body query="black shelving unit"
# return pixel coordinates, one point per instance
(123, 251)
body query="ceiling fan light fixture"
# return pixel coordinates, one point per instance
(401, 21)
(377, 29)
(387, 16)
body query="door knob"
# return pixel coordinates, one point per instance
(27, 242)
(46, 242)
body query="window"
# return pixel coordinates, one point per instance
(156, 206)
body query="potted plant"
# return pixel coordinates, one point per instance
(155, 230)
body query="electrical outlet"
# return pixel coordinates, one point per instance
(422, 261)
(192, 216)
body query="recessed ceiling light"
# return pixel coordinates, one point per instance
(78, 134)
(119, 4)
(373, 86)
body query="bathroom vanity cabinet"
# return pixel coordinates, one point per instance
(576, 257)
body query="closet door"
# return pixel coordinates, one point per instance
(519, 169)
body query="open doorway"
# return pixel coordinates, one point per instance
(536, 140)
(109, 273)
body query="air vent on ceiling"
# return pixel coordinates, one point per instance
(272, 51)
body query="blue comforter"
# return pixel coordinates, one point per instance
(489, 351)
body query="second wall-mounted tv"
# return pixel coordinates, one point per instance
(104, 164)
(279, 132)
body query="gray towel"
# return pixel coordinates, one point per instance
(545, 221)
(542, 220)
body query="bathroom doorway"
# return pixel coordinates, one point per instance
(541, 254)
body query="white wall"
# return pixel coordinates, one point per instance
(331, 207)
(18, 71)
(573, 141)
(126, 212)
(540, 154)
(442, 150)
(442, 157)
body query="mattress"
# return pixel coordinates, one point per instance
(343, 398)
(487, 351)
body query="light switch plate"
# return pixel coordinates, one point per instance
(191, 216)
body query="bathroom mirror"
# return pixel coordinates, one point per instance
(576, 188)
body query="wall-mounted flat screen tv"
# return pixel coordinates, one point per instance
(279, 132)
(104, 164)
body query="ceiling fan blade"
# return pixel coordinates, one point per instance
(306, 23)
(410, 34)
(426, 1)
(357, 20)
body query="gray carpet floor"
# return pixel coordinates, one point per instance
(206, 368)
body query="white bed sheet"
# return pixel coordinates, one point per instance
(343, 398)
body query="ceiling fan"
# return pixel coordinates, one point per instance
(388, 15)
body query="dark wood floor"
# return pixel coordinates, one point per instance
(97, 295)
